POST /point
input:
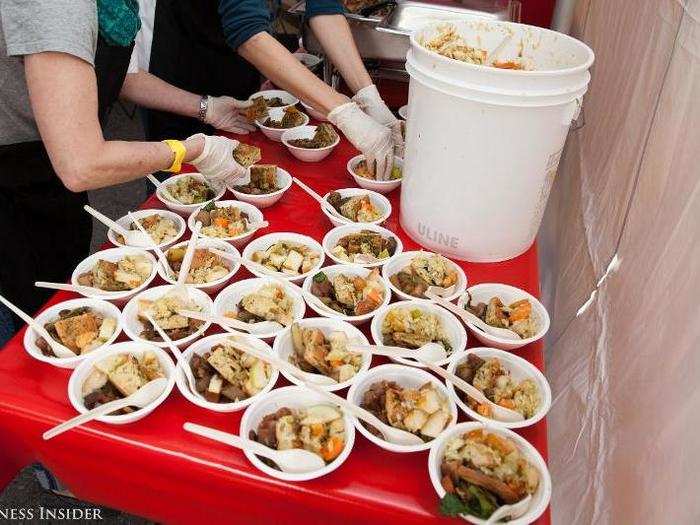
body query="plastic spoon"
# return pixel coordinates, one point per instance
(429, 352)
(176, 352)
(500, 413)
(470, 318)
(57, 348)
(391, 434)
(281, 364)
(510, 511)
(152, 244)
(262, 327)
(323, 202)
(78, 288)
(189, 254)
(142, 397)
(161, 187)
(132, 238)
(491, 57)
(294, 460)
(440, 291)
(250, 265)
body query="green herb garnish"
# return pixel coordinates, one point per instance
(209, 207)
(320, 277)
(481, 503)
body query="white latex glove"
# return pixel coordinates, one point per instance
(216, 162)
(223, 113)
(371, 138)
(371, 103)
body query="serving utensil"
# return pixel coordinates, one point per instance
(152, 244)
(510, 511)
(391, 434)
(182, 363)
(499, 413)
(142, 397)
(294, 460)
(470, 318)
(189, 253)
(262, 327)
(323, 202)
(57, 348)
(428, 352)
(140, 239)
(281, 364)
(77, 288)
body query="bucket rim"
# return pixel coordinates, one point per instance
(506, 72)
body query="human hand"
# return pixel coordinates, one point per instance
(371, 138)
(216, 162)
(224, 113)
(371, 102)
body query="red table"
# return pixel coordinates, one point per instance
(154, 469)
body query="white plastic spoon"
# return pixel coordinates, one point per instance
(510, 511)
(391, 434)
(262, 327)
(250, 265)
(77, 288)
(281, 364)
(131, 237)
(57, 348)
(470, 318)
(142, 397)
(440, 291)
(176, 352)
(153, 245)
(491, 57)
(323, 202)
(161, 187)
(428, 352)
(189, 254)
(294, 460)
(500, 413)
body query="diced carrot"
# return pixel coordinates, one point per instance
(336, 363)
(484, 410)
(317, 429)
(520, 310)
(508, 403)
(374, 296)
(334, 446)
(359, 283)
(221, 221)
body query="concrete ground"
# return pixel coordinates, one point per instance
(25, 491)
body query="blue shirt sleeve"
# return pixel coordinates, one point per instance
(243, 19)
(323, 7)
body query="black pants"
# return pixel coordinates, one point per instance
(189, 51)
(44, 232)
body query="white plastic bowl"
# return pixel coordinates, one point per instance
(284, 181)
(403, 112)
(331, 239)
(379, 200)
(139, 214)
(114, 255)
(229, 297)
(213, 286)
(264, 242)
(315, 113)
(381, 186)
(293, 397)
(398, 263)
(184, 210)
(80, 374)
(453, 328)
(276, 133)
(306, 154)
(519, 369)
(133, 327)
(287, 98)
(309, 60)
(254, 216)
(541, 497)
(103, 307)
(284, 348)
(348, 269)
(204, 345)
(407, 377)
(508, 294)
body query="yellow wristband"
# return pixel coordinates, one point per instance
(179, 150)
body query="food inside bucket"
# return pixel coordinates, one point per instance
(516, 316)
(481, 471)
(449, 43)
(324, 136)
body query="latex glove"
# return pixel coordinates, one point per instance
(223, 113)
(371, 103)
(371, 138)
(216, 163)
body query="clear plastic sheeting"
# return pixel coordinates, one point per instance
(624, 347)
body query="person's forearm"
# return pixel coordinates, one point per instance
(280, 66)
(333, 32)
(149, 91)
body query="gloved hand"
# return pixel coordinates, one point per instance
(216, 162)
(371, 103)
(223, 113)
(367, 135)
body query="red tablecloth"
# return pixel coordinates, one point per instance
(154, 469)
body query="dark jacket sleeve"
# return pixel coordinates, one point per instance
(242, 19)
(323, 7)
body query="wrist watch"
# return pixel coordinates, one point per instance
(203, 107)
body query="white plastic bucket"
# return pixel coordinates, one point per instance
(483, 144)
